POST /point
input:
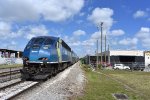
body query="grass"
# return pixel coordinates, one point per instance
(138, 81)
(10, 66)
(101, 86)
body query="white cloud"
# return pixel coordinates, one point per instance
(82, 45)
(139, 14)
(129, 41)
(79, 33)
(77, 43)
(143, 33)
(144, 36)
(6, 31)
(102, 15)
(89, 42)
(5, 28)
(97, 35)
(32, 31)
(60, 10)
(14, 10)
(75, 39)
(51, 10)
(79, 21)
(27, 32)
(118, 32)
(72, 41)
(13, 42)
(81, 14)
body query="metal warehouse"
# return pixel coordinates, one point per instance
(127, 57)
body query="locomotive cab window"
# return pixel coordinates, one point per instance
(30, 43)
(38, 41)
(47, 43)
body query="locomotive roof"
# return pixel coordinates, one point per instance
(56, 39)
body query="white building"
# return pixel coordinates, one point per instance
(147, 58)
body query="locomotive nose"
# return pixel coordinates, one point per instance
(34, 54)
(39, 55)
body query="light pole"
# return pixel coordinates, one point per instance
(108, 55)
(101, 41)
(97, 55)
(105, 50)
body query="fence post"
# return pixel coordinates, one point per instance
(132, 67)
(10, 73)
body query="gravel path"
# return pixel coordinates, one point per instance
(65, 86)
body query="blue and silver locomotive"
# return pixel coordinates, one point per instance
(44, 56)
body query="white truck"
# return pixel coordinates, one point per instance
(121, 66)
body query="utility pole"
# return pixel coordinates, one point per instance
(105, 50)
(89, 60)
(97, 56)
(108, 55)
(101, 41)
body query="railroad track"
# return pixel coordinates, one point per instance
(3, 74)
(15, 89)
(7, 75)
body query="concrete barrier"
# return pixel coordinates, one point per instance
(9, 61)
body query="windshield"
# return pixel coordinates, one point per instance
(49, 42)
(38, 41)
(35, 42)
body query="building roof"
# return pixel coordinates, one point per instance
(8, 50)
(126, 53)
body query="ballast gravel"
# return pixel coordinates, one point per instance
(64, 86)
(9, 82)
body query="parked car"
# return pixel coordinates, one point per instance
(121, 66)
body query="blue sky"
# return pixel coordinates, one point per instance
(126, 23)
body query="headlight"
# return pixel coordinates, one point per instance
(46, 47)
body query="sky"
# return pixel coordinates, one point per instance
(126, 23)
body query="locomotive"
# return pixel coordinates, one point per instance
(45, 56)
